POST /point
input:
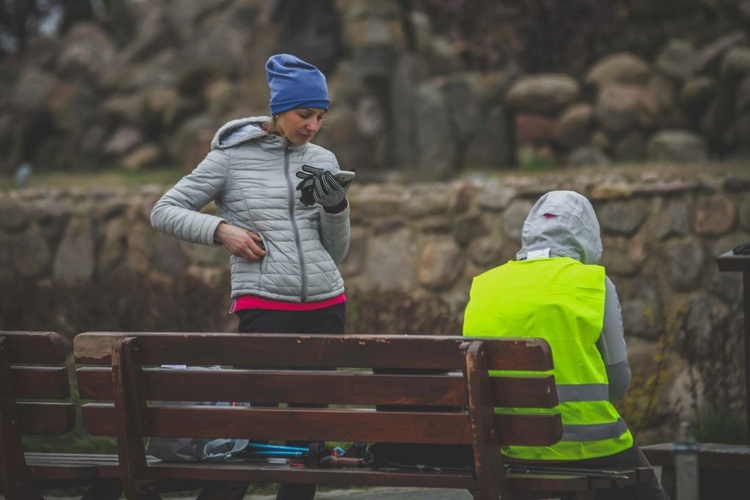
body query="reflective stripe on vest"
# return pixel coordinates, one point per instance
(583, 392)
(594, 432)
(562, 301)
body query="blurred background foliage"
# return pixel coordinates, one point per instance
(541, 35)
(92, 84)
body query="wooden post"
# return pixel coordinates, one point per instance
(728, 262)
(14, 476)
(488, 463)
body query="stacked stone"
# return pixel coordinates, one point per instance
(687, 104)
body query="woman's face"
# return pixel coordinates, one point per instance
(300, 125)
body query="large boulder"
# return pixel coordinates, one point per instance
(621, 107)
(677, 146)
(622, 67)
(574, 127)
(544, 93)
(87, 50)
(677, 60)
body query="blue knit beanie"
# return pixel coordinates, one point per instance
(295, 84)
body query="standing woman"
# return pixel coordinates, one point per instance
(283, 216)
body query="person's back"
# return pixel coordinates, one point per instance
(556, 290)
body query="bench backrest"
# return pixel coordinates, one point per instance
(34, 398)
(121, 371)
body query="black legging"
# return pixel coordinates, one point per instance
(327, 320)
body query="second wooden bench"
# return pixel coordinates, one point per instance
(36, 400)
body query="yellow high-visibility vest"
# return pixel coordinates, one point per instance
(561, 300)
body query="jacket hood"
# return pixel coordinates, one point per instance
(238, 131)
(562, 224)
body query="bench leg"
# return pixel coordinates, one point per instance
(224, 491)
(668, 480)
(104, 489)
(584, 495)
(24, 492)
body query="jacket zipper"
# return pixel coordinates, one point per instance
(295, 228)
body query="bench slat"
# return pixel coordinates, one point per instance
(63, 470)
(548, 482)
(302, 425)
(40, 382)
(35, 347)
(260, 423)
(310, 387)
(41, 459)
(259, 472)
(95, 383)
(323, 351)
(520, 392)
(99, 419)
(531, 430)
(46, 419)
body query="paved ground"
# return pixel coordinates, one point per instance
(383, 493)
(364, 494)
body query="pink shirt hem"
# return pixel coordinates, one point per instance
(255, 302)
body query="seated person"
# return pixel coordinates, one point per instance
(557, 291)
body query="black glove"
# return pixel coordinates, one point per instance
(743, 249)
(320, 186)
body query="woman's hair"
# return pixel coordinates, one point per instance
(272, 126)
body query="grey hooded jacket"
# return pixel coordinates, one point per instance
(564, 224)
(250, 175)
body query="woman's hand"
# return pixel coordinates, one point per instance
(239, 242)
(320, 186)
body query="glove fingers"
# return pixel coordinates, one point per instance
(329, 188)
(331, 183)
(320, 186)
(312, 170)
(307, 183)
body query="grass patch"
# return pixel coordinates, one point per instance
(106, 179)
(532, 165)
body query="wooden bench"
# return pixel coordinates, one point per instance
(35, 399)
(129, 393)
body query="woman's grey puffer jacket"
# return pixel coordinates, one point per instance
(251, 177)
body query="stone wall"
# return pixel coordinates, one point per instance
(662, 233)
(404, 98)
